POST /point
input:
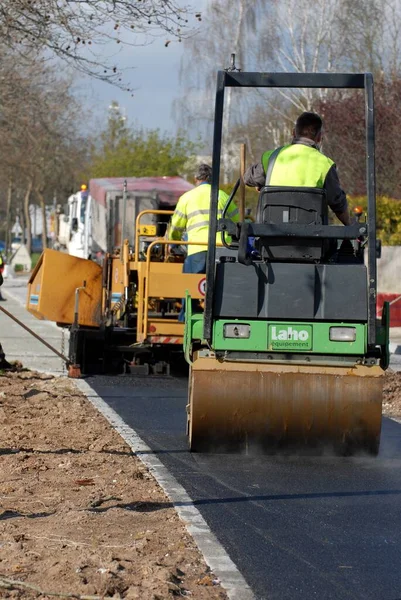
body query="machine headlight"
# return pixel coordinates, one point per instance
(342, 334)
(237, 330)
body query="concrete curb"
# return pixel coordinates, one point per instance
(213, 552)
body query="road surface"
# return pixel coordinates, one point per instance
(297, 528)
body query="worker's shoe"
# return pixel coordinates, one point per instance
(3, 299)
(6, 366)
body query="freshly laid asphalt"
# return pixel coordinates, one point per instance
(298, 527)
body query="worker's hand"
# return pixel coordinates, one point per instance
(175, 249)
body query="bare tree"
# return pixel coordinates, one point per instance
(345, 139)
(228, 27)
(76, 30)
(290, 36)
(39, 126)
(9, 196)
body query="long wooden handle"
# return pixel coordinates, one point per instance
(242, 184)
(35, 335)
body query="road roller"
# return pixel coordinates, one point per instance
(288, 353)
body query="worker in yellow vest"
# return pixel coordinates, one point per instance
(4, 365)
(302, 164)
(191, 216)
(2, 265)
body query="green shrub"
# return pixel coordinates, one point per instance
(388, 215)
(35, 257)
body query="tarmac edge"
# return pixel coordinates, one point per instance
(213, 552)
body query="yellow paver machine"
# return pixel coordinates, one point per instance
(288, 352)
(122, 314)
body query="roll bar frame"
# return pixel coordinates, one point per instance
(295, 80)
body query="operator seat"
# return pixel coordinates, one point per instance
(296, 205)
(296, 278)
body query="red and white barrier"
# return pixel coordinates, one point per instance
(395, 307)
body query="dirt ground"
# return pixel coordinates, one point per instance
(79, 513)
(392, 394)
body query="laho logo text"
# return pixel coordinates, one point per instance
(289, 334)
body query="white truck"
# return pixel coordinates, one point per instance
(74, 225)
(92, 224)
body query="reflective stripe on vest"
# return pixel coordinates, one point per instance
(299, 165)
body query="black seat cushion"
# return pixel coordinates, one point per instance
(295, 205)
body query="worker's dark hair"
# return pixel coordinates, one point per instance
(308, 125)
(204, 173)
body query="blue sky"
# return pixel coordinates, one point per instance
(155, 75)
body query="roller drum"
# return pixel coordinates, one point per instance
(242, 407)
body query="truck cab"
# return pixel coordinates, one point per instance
(73, 224)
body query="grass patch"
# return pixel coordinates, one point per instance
(35, 257)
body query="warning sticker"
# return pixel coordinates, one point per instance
(202, 286)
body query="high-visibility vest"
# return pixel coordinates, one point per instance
(192, 215)
(298, 165)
